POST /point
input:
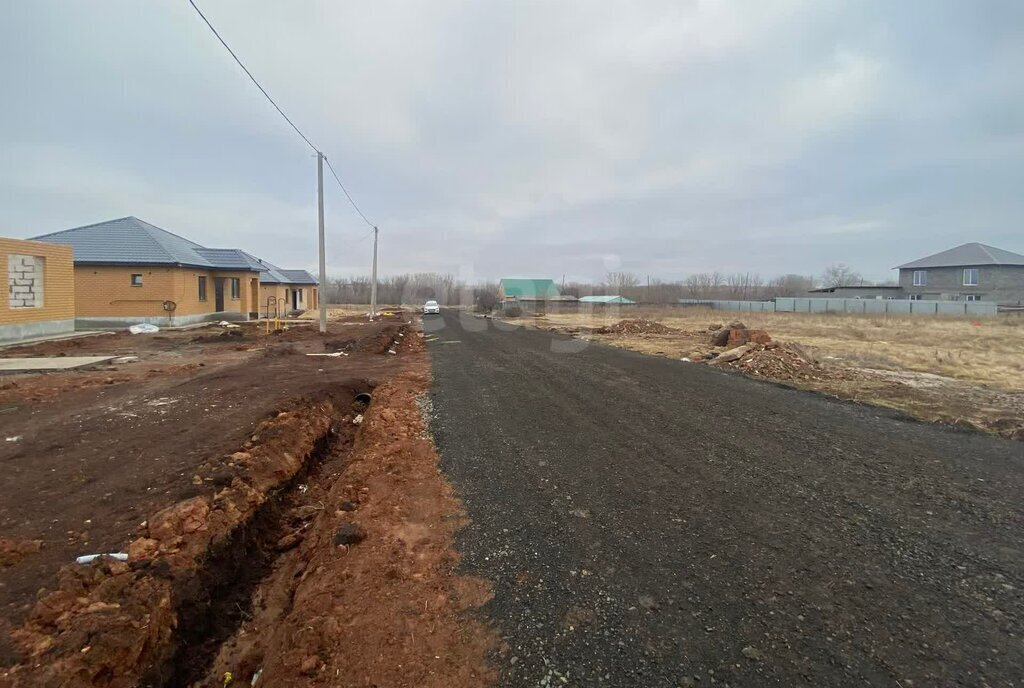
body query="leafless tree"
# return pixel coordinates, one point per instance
(841, 275)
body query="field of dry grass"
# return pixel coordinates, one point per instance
(958, 371)
(988, 351)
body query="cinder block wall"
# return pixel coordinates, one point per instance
(36, 272)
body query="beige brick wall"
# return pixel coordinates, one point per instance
(282, 292)
(57, 281)
(107, 291)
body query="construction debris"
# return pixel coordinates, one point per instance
(737, 334)
(636, 326)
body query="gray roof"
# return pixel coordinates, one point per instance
(131, 241)
(966, 255)
(299, 277)
(128, 241)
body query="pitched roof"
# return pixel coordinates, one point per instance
(299, 277)
(528, 288)
(128, 241)
(131, 241)
(967, 255)
(606, 299)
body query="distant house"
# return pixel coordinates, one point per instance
(971, 272)
(40, 289)
(613, 300)
(858, 292)
(537, 295)
(129, 271)
(520, 289)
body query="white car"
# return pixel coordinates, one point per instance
(431, 308)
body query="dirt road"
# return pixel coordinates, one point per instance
(649, 522)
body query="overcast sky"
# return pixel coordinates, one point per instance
(528, 138)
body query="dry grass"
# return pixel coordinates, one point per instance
(989, 351)
(343, 310)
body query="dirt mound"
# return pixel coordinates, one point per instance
(635, 326)
(777, 361)
(13, 551)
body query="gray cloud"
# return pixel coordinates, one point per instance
(529, 137)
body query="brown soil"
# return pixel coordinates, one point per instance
(635, 327)
(384, 611)
(197, 474)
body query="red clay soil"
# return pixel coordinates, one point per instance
(369, 597)
(95, 459)
(329, 541)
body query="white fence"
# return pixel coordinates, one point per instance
(860, 306)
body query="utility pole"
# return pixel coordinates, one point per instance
(320, 223)
(373, 279)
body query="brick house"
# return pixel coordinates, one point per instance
(971, 272)
(40, 289)
(128, 271)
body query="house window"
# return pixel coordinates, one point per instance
(916, 297)
(970, 277)
(972, 297)
(136, 280)
(920, 278)
(236, 288)
(25, 281)
(202, 288)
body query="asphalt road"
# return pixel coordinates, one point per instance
(649, 522)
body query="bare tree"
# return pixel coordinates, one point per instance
(617, 281)
(840, 275)
(790, 285)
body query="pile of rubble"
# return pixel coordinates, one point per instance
(755, 353)
(736, 334)
(772, 360)
(636, 326)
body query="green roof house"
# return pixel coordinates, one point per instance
(527, 289)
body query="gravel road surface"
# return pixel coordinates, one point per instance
(648, 522)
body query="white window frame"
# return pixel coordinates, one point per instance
(134, 275)
(916, 297)
(972, 297)
(977, 277)
(923, 275)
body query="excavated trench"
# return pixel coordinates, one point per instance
(212, 604)
(218, 599)
(191, 577)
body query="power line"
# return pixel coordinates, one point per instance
(249, 74)
(338, 179)
(280, 111)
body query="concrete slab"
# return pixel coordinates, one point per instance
(26, 365)
(51, 338)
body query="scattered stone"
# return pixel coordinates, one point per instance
(358, 420)
(720, 337)
(288, 542)
(347, 506)
(648, 603)
(348, 534)
(752, 653)
(714, 327)
(732, 354)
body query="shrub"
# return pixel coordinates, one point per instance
(513, 312)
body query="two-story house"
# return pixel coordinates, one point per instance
(971, 272)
